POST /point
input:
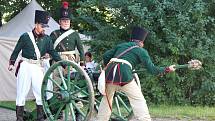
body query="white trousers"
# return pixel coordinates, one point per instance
(29, 75)
(46, 66)
(136, 99)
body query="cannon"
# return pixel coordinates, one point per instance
(74, 92)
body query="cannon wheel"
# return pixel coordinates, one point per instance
(122, 110)
(71, 93)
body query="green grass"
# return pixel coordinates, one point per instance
(158, 111)
(30, 105)
(181, 112)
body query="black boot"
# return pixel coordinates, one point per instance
(19, 113)
(78, 116)
(40, 113)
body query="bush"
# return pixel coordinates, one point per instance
(179, 31)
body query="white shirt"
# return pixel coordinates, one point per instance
(91, 65)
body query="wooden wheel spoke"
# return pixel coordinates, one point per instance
(66, 113)
(123, 103)
(54, 103)
(79, 90)
(121, 117)
(58, 111)
(68, 77)
(80, 99)
(84, 92)
(78, 109)
(117, 106)
(70, 106)
(55, 82)
(52, 92)
(62, 78)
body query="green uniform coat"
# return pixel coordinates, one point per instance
(70, 42)
(25, 44)
(135, 56)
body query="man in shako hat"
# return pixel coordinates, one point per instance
(65, 39)
(34, 45)
(119, 75)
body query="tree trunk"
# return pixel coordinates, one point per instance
(0, 19)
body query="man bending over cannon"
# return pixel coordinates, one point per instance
(119, 63)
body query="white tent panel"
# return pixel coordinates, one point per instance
(7, 78)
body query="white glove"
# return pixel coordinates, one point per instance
(172, 68)
(11, 67)
(101, 83)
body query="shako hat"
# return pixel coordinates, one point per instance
(64, 11)
(139, 33)
(42, 17)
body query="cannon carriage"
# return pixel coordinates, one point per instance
(74, 92)
(76, 86)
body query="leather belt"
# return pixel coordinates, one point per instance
(31, 61)
(67, 53)
(121, 61)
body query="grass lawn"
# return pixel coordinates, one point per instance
(11, 104)
(158, 111)
(181, 112)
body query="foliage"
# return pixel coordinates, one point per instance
(12, 8)
(180, 30)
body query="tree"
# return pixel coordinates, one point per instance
(178, 33)
(0, 19)
(11, 8)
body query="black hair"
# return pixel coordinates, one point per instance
(88, 54)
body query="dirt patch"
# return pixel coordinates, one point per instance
(7, 115)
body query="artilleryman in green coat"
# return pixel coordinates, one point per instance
(25, 44)
(70, 42)
(119, 77)
(123, 74)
